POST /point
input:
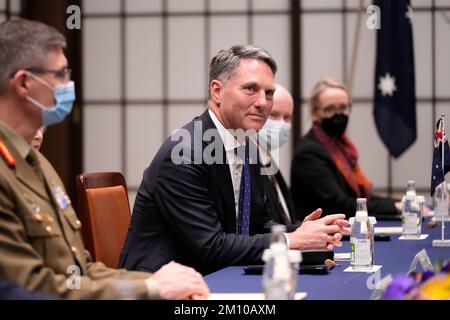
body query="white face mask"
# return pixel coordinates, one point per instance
(274, 134)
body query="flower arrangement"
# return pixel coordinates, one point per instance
(427, 285)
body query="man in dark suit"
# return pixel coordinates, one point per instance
(325, 166)
(272, 136)
(201, 200)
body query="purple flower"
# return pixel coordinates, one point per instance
(399, 287)
(446, 267)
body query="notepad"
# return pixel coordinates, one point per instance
(420, 237)
(248, 296)
(371, 269)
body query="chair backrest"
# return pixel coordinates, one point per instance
(104, 214)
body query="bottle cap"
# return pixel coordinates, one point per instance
(278, 247)
(295, 256)
(421, 199)
(278, 228)
(266, 255)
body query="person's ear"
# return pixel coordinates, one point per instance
(19, 83)
(315, 115)
(216, 90)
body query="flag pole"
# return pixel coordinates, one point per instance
(444, 184)
(355, 46)
(442, 242)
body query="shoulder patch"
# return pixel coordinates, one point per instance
(4, 151)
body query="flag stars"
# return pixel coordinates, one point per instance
(387, 85)
(409, 13)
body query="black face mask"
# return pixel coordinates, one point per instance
(336, 125)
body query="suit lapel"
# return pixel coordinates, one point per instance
(224, 182)
(286, 194)
(226, 189)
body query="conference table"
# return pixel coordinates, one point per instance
(395, 256)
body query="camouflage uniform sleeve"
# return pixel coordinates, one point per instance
(22, 264)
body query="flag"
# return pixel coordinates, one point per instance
(437, 172)
(394, 94)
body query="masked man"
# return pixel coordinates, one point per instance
(272, 136)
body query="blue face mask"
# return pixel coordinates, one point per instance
(274, 134)
(64, 95)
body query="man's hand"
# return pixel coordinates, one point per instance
(426, 211)
(399, 207)
(315, 233)
(176, 282)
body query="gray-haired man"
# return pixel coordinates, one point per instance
(208, 210)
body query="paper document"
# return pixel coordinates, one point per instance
(248, 296)
(371, 269)
(421, 237)
(388, 230)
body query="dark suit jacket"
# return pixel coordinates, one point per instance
(186, 213)
(275, 209)
(317, 183)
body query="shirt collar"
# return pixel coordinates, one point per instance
(229, 142)
(18, 142)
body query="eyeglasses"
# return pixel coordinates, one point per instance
(64, 73)
(333, 109)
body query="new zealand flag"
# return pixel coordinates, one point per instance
(437, 172)
(394, 97)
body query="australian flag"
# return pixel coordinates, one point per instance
(437, 172)
(395, 98)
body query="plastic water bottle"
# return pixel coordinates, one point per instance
(421, 200)
(412, 214)
(361, 239)
(295, 257)
(277, 274)
(278, 231)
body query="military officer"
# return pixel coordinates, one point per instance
(40, 243)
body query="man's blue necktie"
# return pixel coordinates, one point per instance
(244, 197)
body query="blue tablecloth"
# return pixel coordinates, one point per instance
(395, 256)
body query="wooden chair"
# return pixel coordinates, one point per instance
(104, 214)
